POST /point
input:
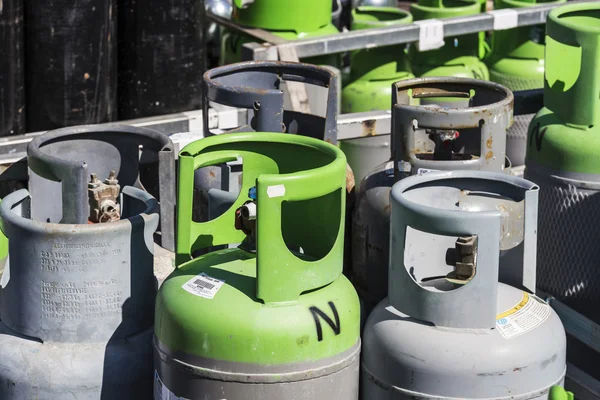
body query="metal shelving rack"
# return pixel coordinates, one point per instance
(273, 47)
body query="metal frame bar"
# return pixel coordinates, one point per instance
(186, 127)
(369, 38)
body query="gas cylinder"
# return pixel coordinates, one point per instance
(460, 56)
(449, 328)
(12, 68)
(77, 299)
(230, 326)
(71, 68)
(425, 138)
(257, 86)
(517, 62)
(61, 162)
(161, 57)
(517, 55)
(289, 20)
(373, 71)
(562, 145)
(527, 104)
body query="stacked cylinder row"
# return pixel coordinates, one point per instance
(262, 272)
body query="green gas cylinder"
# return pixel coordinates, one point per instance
(558, 393)
(517, 56)
(273, 318)
(460, 56)
(289, 19)
(562, 157)
(373, 71)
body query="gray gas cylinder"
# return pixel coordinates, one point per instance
(527, 103)
(61, 161)
(425, 138)
(366, 154)
(449, 328)
(77, 303)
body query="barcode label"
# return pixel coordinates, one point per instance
(203, 285)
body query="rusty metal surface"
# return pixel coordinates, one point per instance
(62, 160)
(103, 199)
(478, 139)
(255, 86)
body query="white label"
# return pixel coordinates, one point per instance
(161, 392)
(505, 19)
(276, 191)
(203, 285)
(431, 34)
(526, 315)
(422, 171)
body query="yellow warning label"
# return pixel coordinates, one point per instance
(516, 308)
(524, 316)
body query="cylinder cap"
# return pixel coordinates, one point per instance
(572, 82)
(277, 15)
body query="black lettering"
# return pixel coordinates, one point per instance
(335, 326)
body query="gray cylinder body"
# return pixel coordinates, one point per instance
(77, 303)
(366, 154)
(465, 364)
(480, 146)
(442, 336)
(516, 139)
(194, 378)
(61, 161)
(527, 104)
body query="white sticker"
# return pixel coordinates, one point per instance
(505, 19)
(203, 285)
(161, 392)
(276, 191)
(526, 315)
(422, 171)
(431, 34)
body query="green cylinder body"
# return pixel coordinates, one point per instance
(373, 71)
(562, 157)
(273, 318)
(517, 57)
(460, 56)
(290, 20)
